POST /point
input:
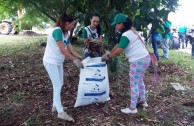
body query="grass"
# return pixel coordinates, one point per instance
(181, 59)
(14, 44)
(34, 121)
(10, 45)
(20, 40)
(17, 95)
(4, 112)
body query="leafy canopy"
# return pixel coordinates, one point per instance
(142, 12)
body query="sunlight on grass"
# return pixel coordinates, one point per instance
(20, 40)
(14, 44)
(180, 58)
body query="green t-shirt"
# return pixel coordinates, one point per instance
(58, 36)
(167, 26)
(124, 42)
(182, 29)
(84, 33)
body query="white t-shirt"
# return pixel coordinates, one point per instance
(135, 49)
(92, 34)
(52, 52)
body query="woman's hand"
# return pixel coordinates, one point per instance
(80, 58)
(105, 56)
(78, 63)
(86, 41)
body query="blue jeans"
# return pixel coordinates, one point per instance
(165, 47)
(155, 44)
(182, 38)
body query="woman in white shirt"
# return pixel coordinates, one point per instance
(92, 31)
(58, 47)
(138, 57)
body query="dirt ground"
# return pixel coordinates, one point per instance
(26, 96)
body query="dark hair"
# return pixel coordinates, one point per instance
(127, 25)
(62, 19)
(98, 28)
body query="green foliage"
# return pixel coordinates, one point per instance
(142, 12)
(30, 122)
(34, 121)
(4, 111)
(8, 8)
(17, 95)
(143, 113)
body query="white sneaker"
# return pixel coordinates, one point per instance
(145, 104)
(55, 110)
(65, 116)
(128, 111)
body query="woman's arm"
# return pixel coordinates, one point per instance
(100, 38)
(64, 51)
(115, 52)
(72, 50)
(116, 46)
(85, 40)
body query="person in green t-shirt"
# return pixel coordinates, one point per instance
(58, 48)
(166, 38)
(92, 31)
(182, 34)
(134, 48)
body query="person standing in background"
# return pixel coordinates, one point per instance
(93, 31)
(182, 34)
(166, 38)
(190, 37)
(156, 39)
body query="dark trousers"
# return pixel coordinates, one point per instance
(192, 50)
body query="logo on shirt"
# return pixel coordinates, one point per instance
(93, 35)
(65, 42)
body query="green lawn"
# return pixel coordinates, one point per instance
(15, 44)
(182, 59)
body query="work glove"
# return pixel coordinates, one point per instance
(105, 56)
(80, 58)
(78, 63)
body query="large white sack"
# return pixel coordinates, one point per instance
(93, 84)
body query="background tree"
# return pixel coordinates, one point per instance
(142, 12)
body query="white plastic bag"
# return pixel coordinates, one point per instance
(93, 84)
